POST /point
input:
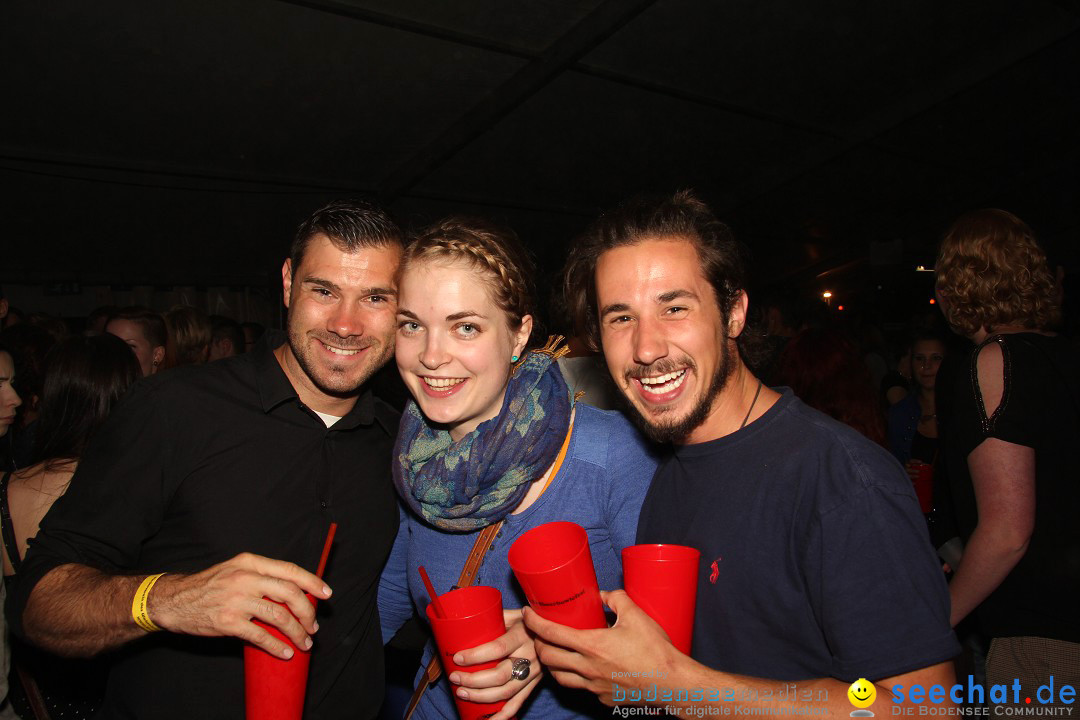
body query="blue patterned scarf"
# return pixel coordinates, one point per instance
(477, 481)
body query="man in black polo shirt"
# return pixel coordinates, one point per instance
(226, 477)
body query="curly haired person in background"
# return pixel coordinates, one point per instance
(1011, 457)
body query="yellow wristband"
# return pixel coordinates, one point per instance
(138, 604)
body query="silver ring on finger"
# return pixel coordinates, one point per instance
(520, 669)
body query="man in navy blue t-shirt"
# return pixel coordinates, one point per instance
(816, 568)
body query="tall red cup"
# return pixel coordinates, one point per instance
(924, 487)
(473, 617)
(554, 566)
(662, 581)
(274, 688)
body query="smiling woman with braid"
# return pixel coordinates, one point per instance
(494, 438)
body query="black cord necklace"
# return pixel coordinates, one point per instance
(752, 404)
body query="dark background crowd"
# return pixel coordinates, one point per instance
(158, 156)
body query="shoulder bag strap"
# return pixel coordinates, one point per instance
(484, 542)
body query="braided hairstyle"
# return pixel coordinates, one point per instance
(493, 250)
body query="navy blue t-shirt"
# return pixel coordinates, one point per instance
(815, 559)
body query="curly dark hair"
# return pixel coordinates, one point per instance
(682, 215)
(992, 272)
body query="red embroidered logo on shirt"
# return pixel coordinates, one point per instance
(715, 567)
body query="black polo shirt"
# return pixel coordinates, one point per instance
(199, 464)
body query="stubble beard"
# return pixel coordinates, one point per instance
(335, 383)
(665, 432)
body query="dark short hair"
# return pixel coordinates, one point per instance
(350, 225)
(928, 335)
(225, 327)
(85, 377)
(257, 330)
(682, 215)
(101, 312)
(152, 324)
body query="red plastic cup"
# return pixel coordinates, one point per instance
(473, 617)
(662, 581)
(554, 566)
(274, 688)
(924, 487)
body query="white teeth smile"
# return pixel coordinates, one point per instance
(339, 351)
(663, 383)
(442, 383)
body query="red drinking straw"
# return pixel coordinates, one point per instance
(431, 592)
(326, 549)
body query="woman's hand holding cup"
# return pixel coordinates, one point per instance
(498, 683)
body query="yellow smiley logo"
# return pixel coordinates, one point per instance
(862, 693)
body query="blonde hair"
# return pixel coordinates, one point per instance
(991, 272)
(494, 251)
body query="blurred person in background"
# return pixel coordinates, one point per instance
(144, 332)
(253, 331)
(913, 425)
(189, 336)
(14, 317)
(1013, 427)
(85, 378)
(826, 371)
(29, 344)
(95, 321)
(913, 421)
(780, 318)
(226, 337)
(9, 397)
(9, 403)
(51, 324)
(896, 385)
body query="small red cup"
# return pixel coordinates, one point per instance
(554, 566)
(473, 617)
(924, 487)
(274, 688)
(662, 581)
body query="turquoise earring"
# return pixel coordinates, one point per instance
(514, 358)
